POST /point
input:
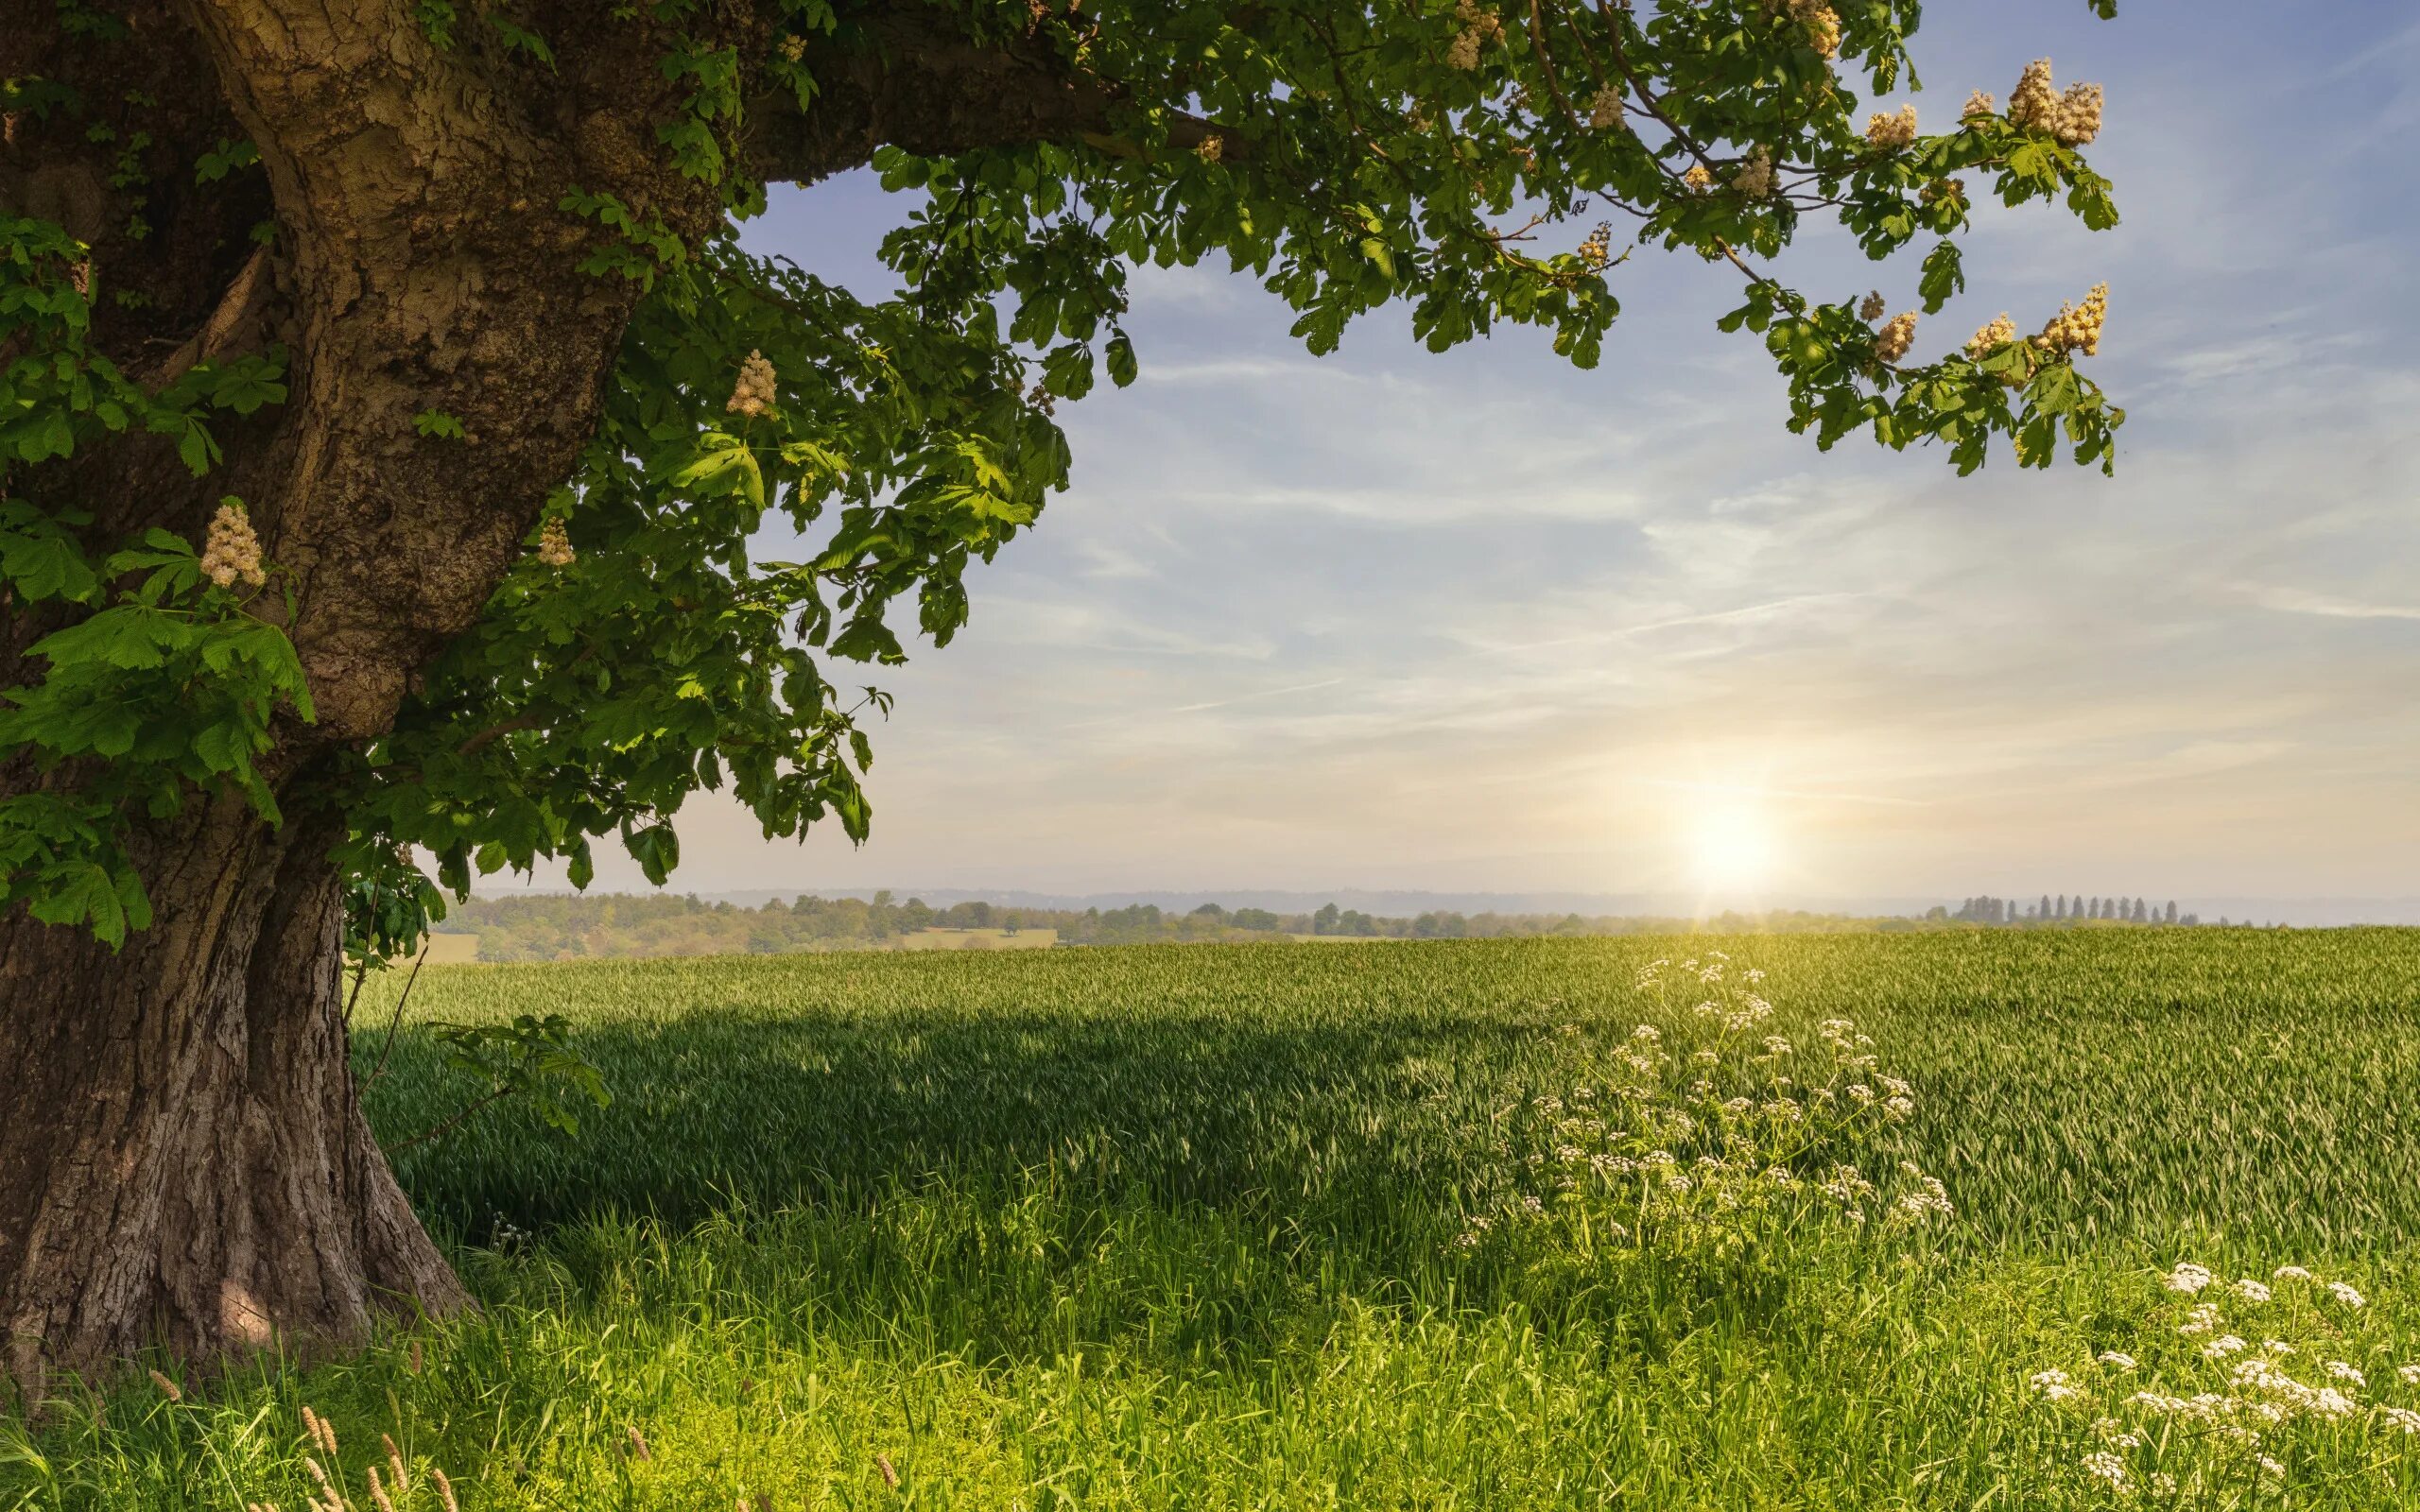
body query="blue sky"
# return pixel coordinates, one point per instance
(1482, 622)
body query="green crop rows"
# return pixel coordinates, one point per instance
(1177, 1226)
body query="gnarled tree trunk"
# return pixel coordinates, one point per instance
(182, 1161)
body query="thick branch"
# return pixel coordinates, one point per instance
(913, 79)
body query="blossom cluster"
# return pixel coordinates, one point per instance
(1895, 131)
(554, 543)
(1605, 107)
(1599, 248)
(1990, 338)
(754, 393)
(1822, 22)
(1896, 337)
(233, 552)
(2077, 328)
(1754, 180)
(2073, 118)
(1478, 27)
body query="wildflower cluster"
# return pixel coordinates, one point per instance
(1705, 1137)
(1888, 131)
(1479, 28)
(1896, 337)
(233, 552)
(2073, 118)
(554, 543)
(754, 393)
(2077, 328)
(1605, 107)
(1599, 248)
(1698, 181)
(1979, 103)
(2195, 1408)
(1872, 306)
(1212, 147)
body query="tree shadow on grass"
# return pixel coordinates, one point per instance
(824, 1109)
(1011, 1183)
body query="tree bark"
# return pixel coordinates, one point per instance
(182, 1163)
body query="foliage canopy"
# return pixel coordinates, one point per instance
(1443, 156)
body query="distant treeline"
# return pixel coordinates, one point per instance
(562, 926)
(2062, 909)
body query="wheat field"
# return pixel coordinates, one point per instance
(2091, 1219)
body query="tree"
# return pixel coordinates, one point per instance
(2172, 910)
(433, 320)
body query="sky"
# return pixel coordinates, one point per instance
(1485, 623)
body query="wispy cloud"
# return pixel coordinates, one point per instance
(2301, 601)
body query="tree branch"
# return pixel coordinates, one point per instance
(913, 79)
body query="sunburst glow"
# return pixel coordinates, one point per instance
(1732, 846)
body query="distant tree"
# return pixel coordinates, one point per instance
(2172, 910)
(1209, 911)
(2141, 915)
(1324, 922)
(1254, 918)
(2044, 911)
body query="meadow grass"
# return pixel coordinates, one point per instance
(1180, 1226)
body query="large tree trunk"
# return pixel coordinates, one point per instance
(182, 1161)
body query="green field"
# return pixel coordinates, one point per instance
(1410, 1225)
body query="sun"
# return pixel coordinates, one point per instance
(1731, 848)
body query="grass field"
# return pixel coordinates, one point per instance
(1430, 1225)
